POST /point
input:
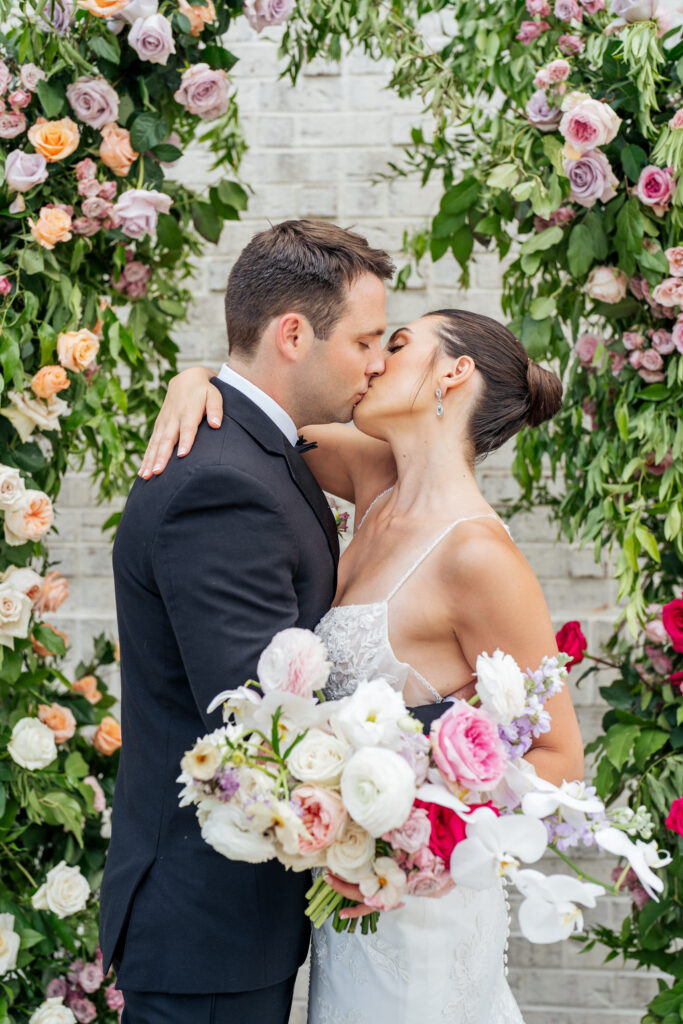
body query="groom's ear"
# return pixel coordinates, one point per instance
(294, 336)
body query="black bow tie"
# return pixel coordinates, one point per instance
(302, 445)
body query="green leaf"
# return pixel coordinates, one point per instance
(218, 57)
(106, 47)
(59, 808)
(168, 232)
(462, 244)
(543, 240)
(647, 744)
(619, 742)
(32, 260)
(76, 766)
(53, 643)
(648, 541)
(52, 97)
(117, 394)
(654, 393)
(543, 306)
(502, 177)
(164, 151)
(461, 197)
(535, 336)
(633, 159)
(205, 221)
(606, 778)
(630, 226)
(580, 252)
(621, 419)
(552, 147)
(147, 130)
(224, 211)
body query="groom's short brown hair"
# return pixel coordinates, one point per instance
(302, 266)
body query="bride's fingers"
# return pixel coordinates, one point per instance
(214, 406)
(348, 913)
(347, 889)
(159, 449)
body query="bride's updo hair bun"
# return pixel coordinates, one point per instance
(517, 392)
(545, 394)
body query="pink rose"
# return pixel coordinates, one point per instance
(567, 10)
(12, 123)
(467, 748)
(323, 815)
(85, 169)
(5, 285)
(675, 258)
(633, 340)
(660, 662)
(86, 226)
(651, 376)
(88, 188)
(655, 632)
(618, 362)
(91, 977)
(556, 71)
(113, 997)
(662, 341)
(587, 123)
(651, 360)
(97, 207)
(262, 13)
(30, 75)
(99, 804)
(541, 114)
(295, 661)
(138, 210)
(429, 879)
(586, 347)
(592, 6)
(108, 190)
(591, 178)
(24, 170)
(56, 988)
(676, 122)
(571, 45)
(669, 292)
(606, 284)
(562, 215)
(5, 77)
(632, 11)
(530, 30)
(83, 1009)
(540, 7)
(655, 188)
(203, 91)
(152, 40)
(19, 99)
(677, 334)
(636, 359)
(413, 834)
(93, 101)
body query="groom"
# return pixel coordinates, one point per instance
(212, 558)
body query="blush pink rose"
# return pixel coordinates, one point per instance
(660, 662)
(90, 977)
(677, 334)
(24, 170)
(84, 1010)
(262, 13)
(606, 284)
(152, 39)
(467, 748)
(413, 834)
(633, 340)
(138, 211)
(431, 876)
(655, 632)
(567, 10)
(651, 376)
(586, 347)
(587, 123)
(617, 362)
(295, 661)
(88, 188)
(593, 6)
(636, 359)
(675, 258)
(31, 520)
(19, 99)
(655, 188)
(662, 341)
(12, 123)
(323, 815)
(538, 7)
(113, 997)
(54, 592)
(530, 30)
(669, 292)
(100, 800)
(571, 45)
(676, 122)
(203, 91)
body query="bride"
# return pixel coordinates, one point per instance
(430, 580)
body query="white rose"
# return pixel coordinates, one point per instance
(378, 789)
(500, 686)
(65, 891)
(295, 661)
(227, 829)
(319, 757)
(15, 613)
(606, 284)
(24, 579)
(371, 715)
(32, 744)
(30, 412)
(105, 827)
(52, 1011)
(12, 488)
(9, 944)
(351, 856)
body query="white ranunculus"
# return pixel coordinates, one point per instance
(29, 412)
(351, 856)
(495, 846)
(52, 1011)
(12, 488)
(227, 829)
(32, 744)
(549, 912)
(15, 614)
(378, 789)
(371, 715)
(65, 891)
(318, 757)
(642, 857)
(500, 686)
(9, 944)
(295, 661)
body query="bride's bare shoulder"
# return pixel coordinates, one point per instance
(480, 555)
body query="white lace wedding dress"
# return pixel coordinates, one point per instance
(433, 961)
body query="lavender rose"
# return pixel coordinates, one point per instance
(93, 101)
(138, 210)
(133, 279)
(203, 92)
(57, 16)
(262, 13)
(634, 10)
(12, 123)
(24, 170)
(152, 39)
(30, 75)
(591, 178)
(541, 114)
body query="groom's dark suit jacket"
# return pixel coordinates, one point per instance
(228, 546)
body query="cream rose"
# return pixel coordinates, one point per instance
(32, 744)
(319, 757)
(76, 350)
(351, 856)
(52, 1011)
(15, 614)
(378, 789)
(500, 687)
(23, 579)
(202, 761)
(9, 944)
(607, 284)
(64, 892)
(12, 488)
(30, 521)
(28, 413)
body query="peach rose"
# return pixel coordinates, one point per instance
(669, 292)
(52, 226)
(197, 16)
(53, 593)
(58, 718)
(40, 649)
(323, 815)
(107, 739)
(48, 381)
(77, 349)
(116, 151)
(102, 8)
(87, 685)
(30, 521)
(55, 140)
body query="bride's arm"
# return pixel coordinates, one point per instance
(505, 608)
(346, 463)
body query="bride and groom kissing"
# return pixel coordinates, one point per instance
(222, 548)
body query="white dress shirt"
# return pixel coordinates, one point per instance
(267, 404)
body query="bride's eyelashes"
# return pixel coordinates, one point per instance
(394, 348)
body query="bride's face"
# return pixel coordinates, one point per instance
(405, 389)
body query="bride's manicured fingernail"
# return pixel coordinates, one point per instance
(157, 468)
(214, 421)
(182, 451)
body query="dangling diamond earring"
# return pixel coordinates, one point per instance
(439, 406)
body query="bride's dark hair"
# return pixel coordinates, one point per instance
(517, 392)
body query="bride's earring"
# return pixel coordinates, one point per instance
(439, 406)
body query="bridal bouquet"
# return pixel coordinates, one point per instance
(354, 787)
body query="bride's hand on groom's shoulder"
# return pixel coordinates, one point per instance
(189, 398)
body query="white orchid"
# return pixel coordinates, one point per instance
(642, 857)
(549, 912)
(495, 846)
(574, 800)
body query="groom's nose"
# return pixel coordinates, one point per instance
(377, 365)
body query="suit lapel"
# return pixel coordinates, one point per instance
(308, 485)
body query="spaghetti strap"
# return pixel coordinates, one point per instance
(435, 543)
(372, 504)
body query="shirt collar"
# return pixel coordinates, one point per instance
(267, 404)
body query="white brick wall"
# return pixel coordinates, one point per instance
(312, 152)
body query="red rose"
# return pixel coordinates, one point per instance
(675, 819)
(571, 640)
(672, 617)
(448, 828)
